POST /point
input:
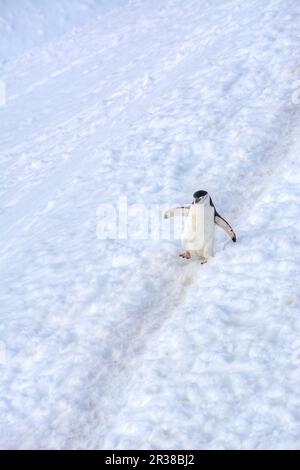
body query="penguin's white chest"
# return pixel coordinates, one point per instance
(199, 229)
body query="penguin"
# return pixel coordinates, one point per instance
(199, 230)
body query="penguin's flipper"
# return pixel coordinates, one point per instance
(183, 210)
(225, 226)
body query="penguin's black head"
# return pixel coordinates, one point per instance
(198, 196)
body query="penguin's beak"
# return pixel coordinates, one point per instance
(197, 200)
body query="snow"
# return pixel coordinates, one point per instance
(119, 343)
(29, 24)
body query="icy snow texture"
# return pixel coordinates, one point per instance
(25, 24)
(121, 344)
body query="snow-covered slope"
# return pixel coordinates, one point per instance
(119, 343)
(25, 24)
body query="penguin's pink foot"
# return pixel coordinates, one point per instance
(186, 255)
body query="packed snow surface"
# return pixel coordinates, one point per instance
(119, 343)
(28, 24)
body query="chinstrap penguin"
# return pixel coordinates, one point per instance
(199, 230)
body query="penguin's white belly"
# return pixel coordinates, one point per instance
(198, 234)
